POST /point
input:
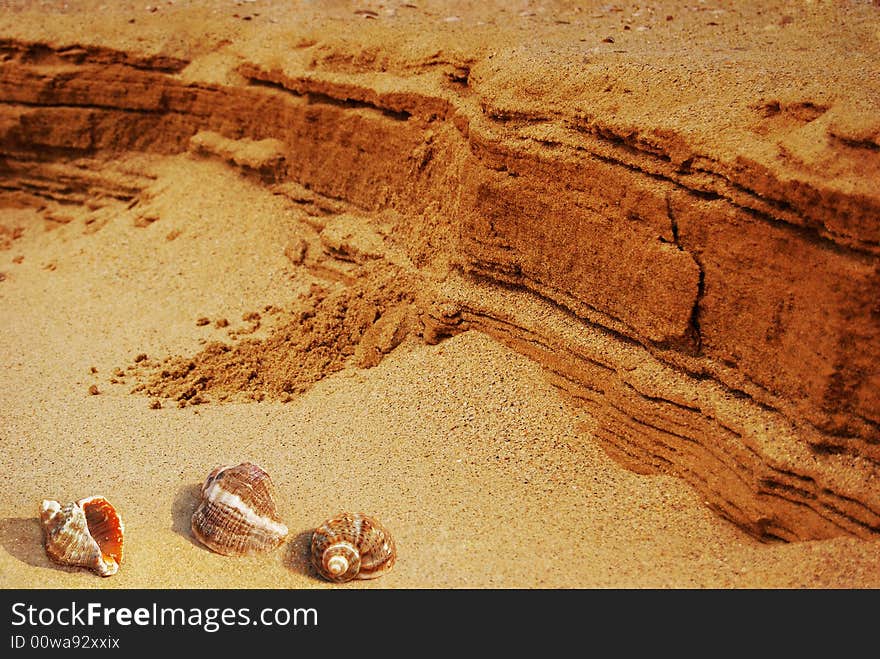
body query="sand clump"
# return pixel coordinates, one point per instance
(601, 297)
(332, 326)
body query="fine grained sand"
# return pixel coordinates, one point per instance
(485, 474)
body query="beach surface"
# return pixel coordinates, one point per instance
(487, 474)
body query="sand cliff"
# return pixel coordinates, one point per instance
(671, 208)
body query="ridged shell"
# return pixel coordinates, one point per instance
(352, 546)
(237, 514)
(84, 533)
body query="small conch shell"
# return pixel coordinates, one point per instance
(352, 546)
(85, 533)
(237, 514)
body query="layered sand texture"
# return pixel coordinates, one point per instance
(567, 295)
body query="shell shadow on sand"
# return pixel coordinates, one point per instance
(296, 555)
(22, 538)
(185, 504)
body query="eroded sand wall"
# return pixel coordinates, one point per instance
(721, 324)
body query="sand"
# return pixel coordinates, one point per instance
(486, 475)
(485, 472)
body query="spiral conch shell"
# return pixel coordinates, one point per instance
(237, 514)
(352, 546)
(85, 533)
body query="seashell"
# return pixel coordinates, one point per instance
(352, 546)
(85, 533)
(237, 514)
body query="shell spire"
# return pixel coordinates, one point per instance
(85, 533)
(237, 515)
(352, 546)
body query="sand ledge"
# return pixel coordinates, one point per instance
(152, 258)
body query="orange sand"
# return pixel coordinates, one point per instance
(485, 473)
(487, 477)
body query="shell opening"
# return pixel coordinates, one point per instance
(105, 527)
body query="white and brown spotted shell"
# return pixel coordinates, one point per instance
(85, 533)
(237, 514)
(352, 546)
